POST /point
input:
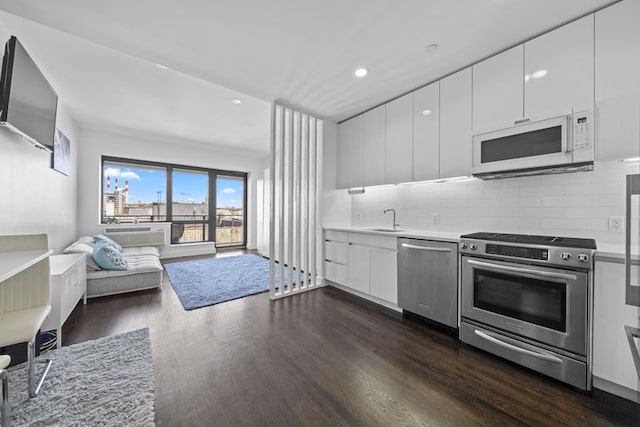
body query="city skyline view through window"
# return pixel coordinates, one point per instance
(139, 192)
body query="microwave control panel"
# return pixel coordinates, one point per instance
(582, 128)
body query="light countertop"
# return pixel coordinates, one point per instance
(443, 236)
(605, 251)
(613, 251)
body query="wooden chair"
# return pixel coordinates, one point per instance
(25, 297)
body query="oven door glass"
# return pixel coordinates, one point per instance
(535, 301)
(548, 305)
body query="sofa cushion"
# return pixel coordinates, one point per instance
(101, 238)
(138, 264)
(141, 250)
(83, 248)
(109, 257)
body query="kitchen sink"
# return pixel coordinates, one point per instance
(386, 230)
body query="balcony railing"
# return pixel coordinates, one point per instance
(192, 228)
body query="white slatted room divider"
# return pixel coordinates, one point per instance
(295, 225)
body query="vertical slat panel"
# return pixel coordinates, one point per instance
(272, 205)
(300, 220)
(318, 195)
(281, 201)
(305, 213)
(312, 203)
(290, 198)
(296, 171)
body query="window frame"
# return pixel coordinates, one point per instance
(212, 194)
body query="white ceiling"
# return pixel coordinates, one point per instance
(100, 56)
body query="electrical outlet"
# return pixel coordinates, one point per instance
(616, 223)
(436, 218)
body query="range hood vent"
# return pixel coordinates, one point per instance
(575, 167)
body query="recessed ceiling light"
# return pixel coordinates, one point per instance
(432, 47)
(539, 74)
(236, 101)
(426, 112)
(164, 67)
(360, 72)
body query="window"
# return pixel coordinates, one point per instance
(229, 210)
(201, 204)
(133, 192)
(190, 206)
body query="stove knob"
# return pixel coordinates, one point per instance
(463, 245)
(473, 247)
(583, 257)
(566, 256)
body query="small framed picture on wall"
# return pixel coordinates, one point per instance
(61, 153)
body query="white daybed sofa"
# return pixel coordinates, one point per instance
(144, 272)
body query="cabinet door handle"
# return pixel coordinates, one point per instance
(525, 120)
(425, 248)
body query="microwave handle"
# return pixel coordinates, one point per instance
(566, 146)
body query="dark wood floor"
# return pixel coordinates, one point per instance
(328, 358)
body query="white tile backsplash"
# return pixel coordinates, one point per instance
(573, 204)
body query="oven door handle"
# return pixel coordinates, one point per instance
(540, 273)
(543, 356)
(425, 248)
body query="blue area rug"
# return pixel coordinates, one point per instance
(211, 281)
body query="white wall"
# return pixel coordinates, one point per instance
(574, 204)
(96, 144)
(34, 197)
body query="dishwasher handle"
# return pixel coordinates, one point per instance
(425, 248)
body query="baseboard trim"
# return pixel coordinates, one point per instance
(373, 299)
(616, 389)
(187, 249)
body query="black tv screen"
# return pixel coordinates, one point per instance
(28, 104)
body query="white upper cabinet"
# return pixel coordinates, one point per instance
(426, 133)
(399, 137)
(558, 70)
(455, 124)
(617, 59)
(498, 89)
(373, 146)
(349, 161)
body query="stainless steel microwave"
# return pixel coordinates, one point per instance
(552, 143)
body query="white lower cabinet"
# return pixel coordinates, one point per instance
(612, 360)
(383, 276)
(363, 262)
(372, 266)
(336, 256)
(358, 268)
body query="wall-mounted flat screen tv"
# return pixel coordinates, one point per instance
(28, 103)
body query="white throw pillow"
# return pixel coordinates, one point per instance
(83, 248)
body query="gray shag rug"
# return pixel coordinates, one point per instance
(105, 382)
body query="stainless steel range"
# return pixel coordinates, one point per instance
(528, 299)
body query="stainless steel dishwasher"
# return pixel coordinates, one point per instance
(428, 279)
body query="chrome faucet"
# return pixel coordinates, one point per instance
(394, 216)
